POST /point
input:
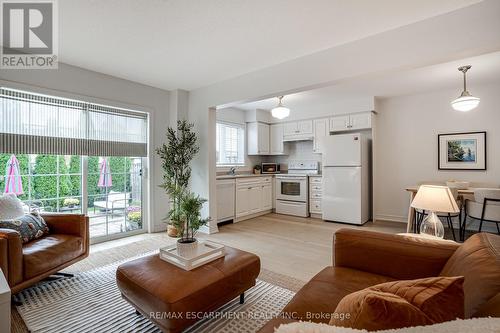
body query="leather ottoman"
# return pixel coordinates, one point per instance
(173, 298)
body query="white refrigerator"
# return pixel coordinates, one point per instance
(346, 178)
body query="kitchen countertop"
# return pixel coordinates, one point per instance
(248, 175)
(244, 175)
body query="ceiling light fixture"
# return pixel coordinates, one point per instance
(466, 101)
(280, 111)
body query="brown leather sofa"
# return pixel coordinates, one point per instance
(365, 258)
(25, 264)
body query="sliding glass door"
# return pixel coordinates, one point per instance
(114, 187)
(70, 156)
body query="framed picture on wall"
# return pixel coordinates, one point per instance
(462, 151)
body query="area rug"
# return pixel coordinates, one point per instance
(91, 302)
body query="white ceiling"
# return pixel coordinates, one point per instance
(188, 44)
(485, 69)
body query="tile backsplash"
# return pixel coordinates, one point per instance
(297, 150)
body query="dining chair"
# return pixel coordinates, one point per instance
(420, 214)
(485, 207)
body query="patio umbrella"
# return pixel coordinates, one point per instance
(105, 175)
(13, 183)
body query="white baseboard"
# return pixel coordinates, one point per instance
(391, 218)
(471, 224)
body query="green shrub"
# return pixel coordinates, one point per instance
(46, 186)
(74, 168)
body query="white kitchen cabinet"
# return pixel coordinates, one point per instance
(349, 122)
(267, 197)
(253, 196)
(321, 130)
(257, 138)
(305, 127)
(339, 123)
(360, 120)
(225, 199)
(243, 204)
(290, 129)
(276, 145)
(298, 130)
(315, 194)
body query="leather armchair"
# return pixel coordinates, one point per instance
(25, 264)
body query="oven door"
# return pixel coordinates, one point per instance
(291, 188)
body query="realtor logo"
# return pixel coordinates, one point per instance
(29, 34)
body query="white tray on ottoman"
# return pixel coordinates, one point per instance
(206, 252)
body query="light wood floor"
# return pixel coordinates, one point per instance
(292, 246)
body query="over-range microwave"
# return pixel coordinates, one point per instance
(270, 168)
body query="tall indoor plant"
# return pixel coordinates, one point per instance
(176, 155)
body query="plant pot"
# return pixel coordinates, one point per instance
(256, 172)
(172, 231)
(187, 248)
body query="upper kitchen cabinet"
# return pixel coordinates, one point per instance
(361, 120)
(321, 130)
(276, 139)
(298, 130)
(355, 121)
(258, 139)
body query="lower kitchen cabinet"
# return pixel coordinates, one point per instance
(315, 194)
(267, 197)
(254, 195)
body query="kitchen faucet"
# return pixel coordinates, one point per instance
(232, 171)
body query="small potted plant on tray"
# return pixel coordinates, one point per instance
(191, 205)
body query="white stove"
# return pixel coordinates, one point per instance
(292, 187)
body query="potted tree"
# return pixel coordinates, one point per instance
(176, 155)
(191, 205)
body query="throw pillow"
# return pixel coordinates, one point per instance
(10, 207)
(401, 304)
(30, 226)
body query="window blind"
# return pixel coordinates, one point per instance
(230, 144)
(40, 124)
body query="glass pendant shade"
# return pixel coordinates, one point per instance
(466, 101)
(280, 112)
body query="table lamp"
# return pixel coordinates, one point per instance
(434, 199)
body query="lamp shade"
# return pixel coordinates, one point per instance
(436, 199)
(280, 112)
(465, 103)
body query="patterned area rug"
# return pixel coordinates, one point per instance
(91, 302)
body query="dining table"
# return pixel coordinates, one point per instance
(463, 194)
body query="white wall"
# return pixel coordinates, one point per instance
(74, 82)
(238, 116)
(406, 143)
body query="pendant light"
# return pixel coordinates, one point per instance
(280, 111)
(465, 102)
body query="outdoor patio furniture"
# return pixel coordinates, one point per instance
(115, 201)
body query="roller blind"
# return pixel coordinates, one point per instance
(40, 124)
